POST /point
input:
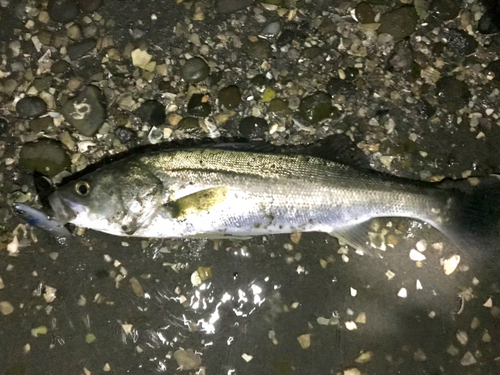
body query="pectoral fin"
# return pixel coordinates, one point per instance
(196, 203)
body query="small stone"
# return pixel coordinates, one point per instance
(86, 112)
(460, 43)
(259, 50)
(312, 52)
(400, 22)
(271, 29)
(41, 124)
(45, 156)
(136, 287)
(416, 256)
(42, 83)
(31, 106)
(304, 341)
(195, 70)
(45, 37)
(364, 13)
(364, 357)
(402, 293)
(89, 6)
(90, 338)
(187, 359)
(468, 359)
(462, 337)
(79, 49)
(199, 106)
(352, 371)
(444, 9)
(189, 124)
(268, 95)
(231, 6)
(278, 105)
(63, 11)
(316, 107)
(286, 37)
(230, 97)
(124, 135)
(60, 67)
(351, 326)
(452, 94)
(140, 58)
(152, 112)
(74, 32)
(337, 86)
(6, 308)
(401, 58)
(451, 264)
(253, 127)
(494, 67)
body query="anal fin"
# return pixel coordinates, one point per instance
(360, 236)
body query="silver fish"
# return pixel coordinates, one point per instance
(39, 219)
(219, 193)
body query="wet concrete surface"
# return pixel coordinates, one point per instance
(125, 306)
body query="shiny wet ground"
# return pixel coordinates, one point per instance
(267, 306)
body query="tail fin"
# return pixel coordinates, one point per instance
(473, 221)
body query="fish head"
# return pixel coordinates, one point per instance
(117, 199)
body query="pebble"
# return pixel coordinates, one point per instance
(187, 359)
(271, 29)
(89, 6)
(86, 112)
(189, 124)
(253, 127)
(74, 32)
(79, 49)
(41, 124)
(259, 50)
(199, 106)
(60, 67)
(316, 107)
(231, 6)
(494, 67)
(400, 22)
(278, 105)
(31, 106)
(45, 156)
(6, 307)
(230, 97)
(401, 58)
(195, 70)
(63, 11)
(124, 135)
(460, 43)
(45, 37)
(444, 9)
(364, 13)
(152, 112)
(452, 94)
(337, 86)
(4, 125)
(42, 83)
(285, 38)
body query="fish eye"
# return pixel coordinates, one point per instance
(82, 188)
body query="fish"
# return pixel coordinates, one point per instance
(234, 192)
(39, 219)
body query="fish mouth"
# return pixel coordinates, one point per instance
(63, 211)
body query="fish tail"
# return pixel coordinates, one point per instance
(472, 218)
